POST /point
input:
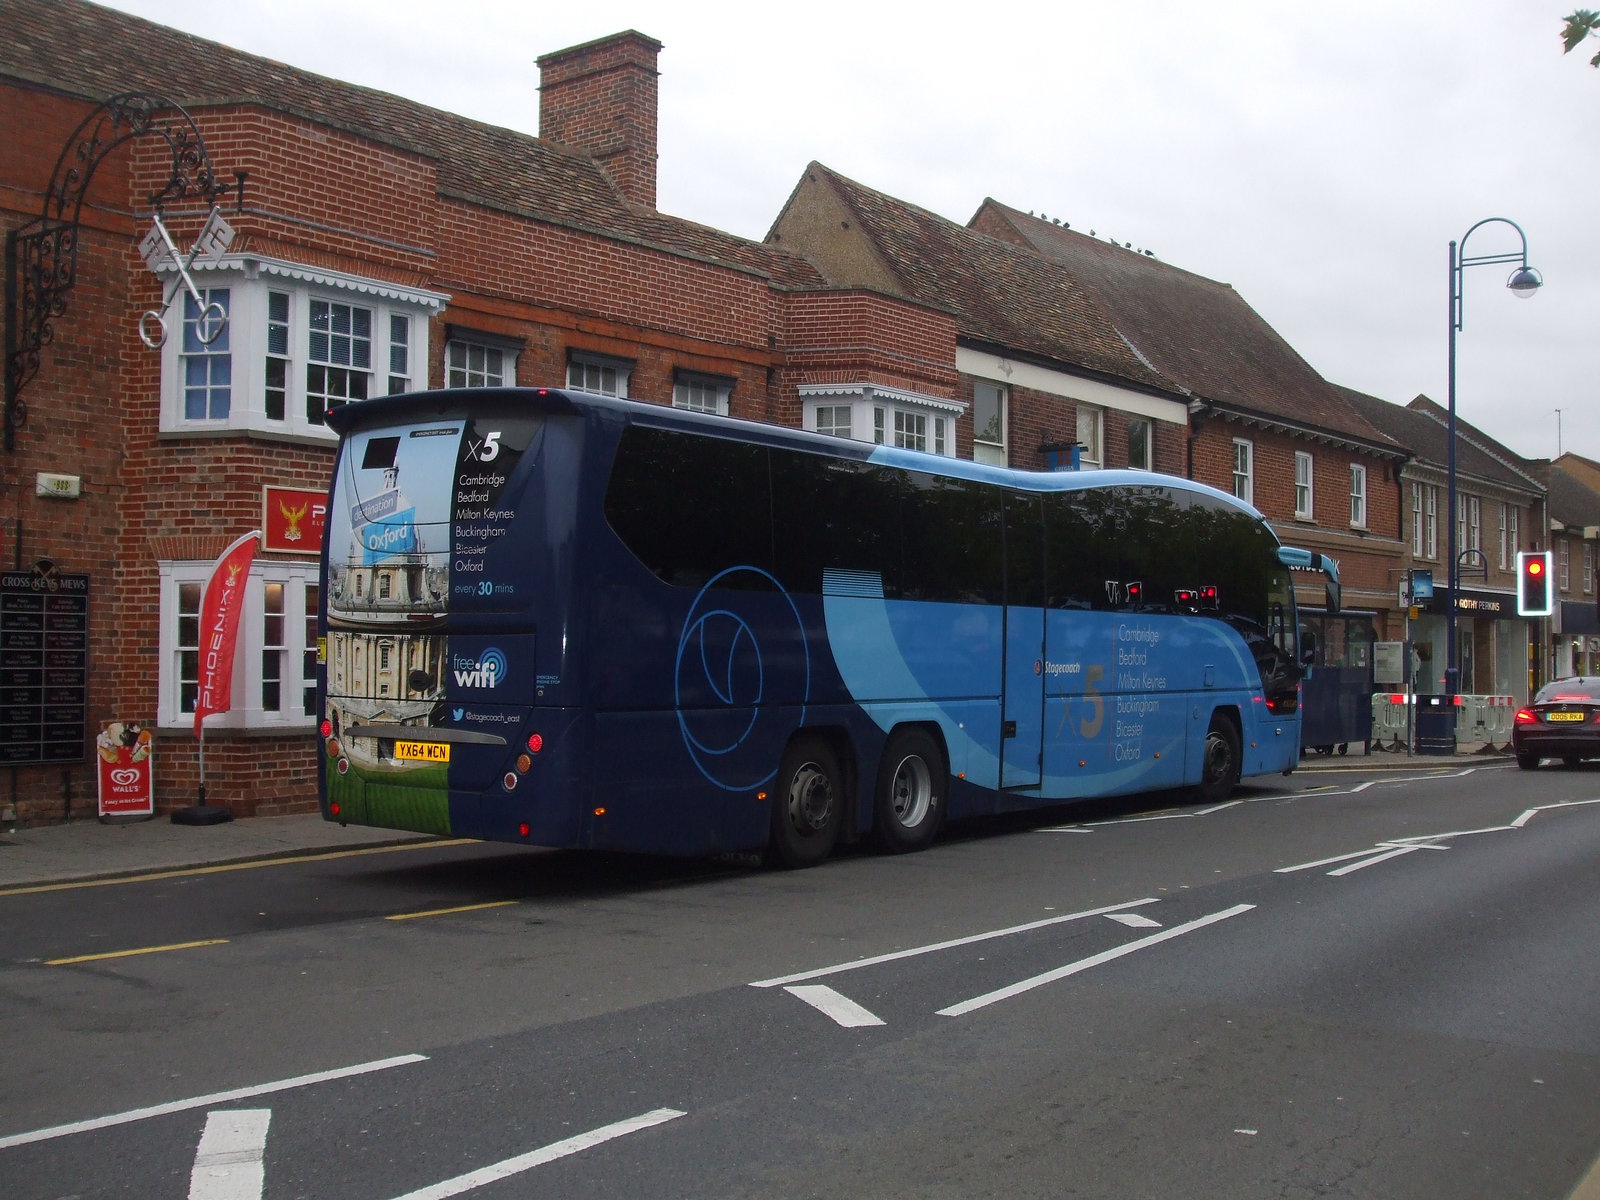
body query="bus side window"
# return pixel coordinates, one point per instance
(689, 507)
(834, 514)
(952, 546)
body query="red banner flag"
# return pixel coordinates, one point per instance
(219, 626)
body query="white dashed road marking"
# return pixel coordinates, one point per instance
(831, 1004)
(1095, 960)
(534, 1158)
(228, 1166)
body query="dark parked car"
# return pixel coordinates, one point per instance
(1562, 722)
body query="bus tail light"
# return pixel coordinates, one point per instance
(523, 829)
(327, 728)
(344, 766)
(334, 808)
(535, 743)
(510, 781)
(1525, 716)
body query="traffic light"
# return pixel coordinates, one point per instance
(1535, 596)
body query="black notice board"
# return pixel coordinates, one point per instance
(44, 668)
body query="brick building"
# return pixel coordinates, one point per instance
(1064, 338)
(379, 246)
(1500, 507)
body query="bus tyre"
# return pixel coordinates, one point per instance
(807, 804)
(1220, 763)
(909, 802)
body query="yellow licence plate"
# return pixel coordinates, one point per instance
(1577, 716)
(424, 751)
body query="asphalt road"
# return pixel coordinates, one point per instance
(1351, 984)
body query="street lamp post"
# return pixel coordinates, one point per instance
(1524, 282)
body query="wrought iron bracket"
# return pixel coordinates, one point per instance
(41, 262)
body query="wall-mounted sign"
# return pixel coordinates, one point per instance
(293, 519)
(44, 666)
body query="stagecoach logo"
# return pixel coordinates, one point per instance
(485, 671)
(743, 665)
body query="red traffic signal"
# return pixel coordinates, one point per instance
(1535, 595)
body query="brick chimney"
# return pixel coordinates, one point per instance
(600, 97)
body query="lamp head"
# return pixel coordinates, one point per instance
(1524, 282)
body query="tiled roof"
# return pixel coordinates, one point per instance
(1001, 293)
(1572, 502)
(1469, 438)
(1419, 432)
(1196, 332)
(94, 53)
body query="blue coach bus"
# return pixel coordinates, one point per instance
(566, 620)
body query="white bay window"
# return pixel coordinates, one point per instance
(867, 412)
(299, 341)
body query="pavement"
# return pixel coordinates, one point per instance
(85, 850)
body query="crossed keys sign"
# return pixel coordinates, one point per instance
(160, 253)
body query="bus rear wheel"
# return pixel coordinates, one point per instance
(1221, 762)
(807, 804)
(909, 803)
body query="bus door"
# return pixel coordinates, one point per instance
(1022, 715)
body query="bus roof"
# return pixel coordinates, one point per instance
(462, 402)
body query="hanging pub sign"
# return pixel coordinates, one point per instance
(126, 774)
(292, 520)
(44, 666)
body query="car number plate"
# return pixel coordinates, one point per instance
(1577, 716)
(423, 751)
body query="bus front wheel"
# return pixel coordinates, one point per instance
(807, 804)
(909, 802)
(1220, 764)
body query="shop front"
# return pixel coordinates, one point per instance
(1576, 642)
(1491, 640)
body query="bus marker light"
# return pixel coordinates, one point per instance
(535, 742)
(523, 829)
(599, 812)
(961, 774)
(1083, 762)
(334, 808)
(510, 781)
(523, 762)
(761, 795)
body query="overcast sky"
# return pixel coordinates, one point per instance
(1320, 158)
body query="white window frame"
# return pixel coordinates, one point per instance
(1504, 530)
(1091, 437)
(1564, 564)
(1244, 470)
(1304, 481)
(701, 393)
(1516, 520)
(587, 362)
(1416, 520)
(833, 420)
(250, 282)
(297, 576)
(872, 412)
(1474, 534)
(1431, 491)
(993, 449)
(1588, 568)
(469, 363)
(1358, 496)
(1142, 430)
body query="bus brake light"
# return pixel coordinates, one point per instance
(535, 743)
(327, 728)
